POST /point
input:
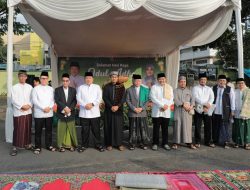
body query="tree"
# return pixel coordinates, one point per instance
(227, 43)
(3, 52)
(247, 49)
(19, 28)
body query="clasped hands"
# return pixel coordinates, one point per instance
(89, 106)
(25, 107)
(67, 111)
(164, 108)
(206, 107)
(46, 110)
(187, 107)
(114, 108)
(138, 110)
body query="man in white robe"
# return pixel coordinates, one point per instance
(204, 97)
(43, 100)
(89, 97)
(22, 111)
(161, 95)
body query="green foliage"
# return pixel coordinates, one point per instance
(227, 43)
(3, 51)
(246, 42)
(19, 28)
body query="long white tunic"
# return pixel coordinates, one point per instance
(42, 97)
(203, 95)
(238, 103)
(158, 99)
(20, 96)
(89, 94)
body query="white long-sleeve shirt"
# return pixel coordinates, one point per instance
(203, 95)
(20, 96)
(42, 97)
(158, 99)
(218, 108)
(89, 94)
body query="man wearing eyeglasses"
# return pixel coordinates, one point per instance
(65, 98)
(43, 101)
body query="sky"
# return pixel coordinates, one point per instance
(21, 19)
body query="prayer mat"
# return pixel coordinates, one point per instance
(239, 179)
(143, 181)
(214, 180)
(185, 181)
(128, 188)
(62, 182)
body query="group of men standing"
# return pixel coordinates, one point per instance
(216, 107)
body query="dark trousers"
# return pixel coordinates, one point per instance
(220, 130)
(39, 124)
(163, 123)
(93, 125)
(207, 120)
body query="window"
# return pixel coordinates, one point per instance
(202, 61)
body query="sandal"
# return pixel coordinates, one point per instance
(132, 147)
(193, 147)
(197, 145)
(37, 151)
(109, 148)
(121, 148)
(247, 146)
(71, 149)
(236, 146)
(80, 149)
(51, 148)
(175, 147)
(61, 149)
(143, 147)
(29, 147)
(13, 152)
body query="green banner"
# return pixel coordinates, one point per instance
(102, 66)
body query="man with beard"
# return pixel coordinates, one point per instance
(113, 97)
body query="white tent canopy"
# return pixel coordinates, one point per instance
(124, 28)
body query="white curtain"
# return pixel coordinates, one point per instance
(77, 10)
(212, 29)
(179, 10)
(172, 67)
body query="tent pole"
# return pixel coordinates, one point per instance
(239, 42)
(9, 112)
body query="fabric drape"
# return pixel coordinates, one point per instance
(76, 10)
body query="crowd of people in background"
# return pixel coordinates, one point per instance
(218, 108)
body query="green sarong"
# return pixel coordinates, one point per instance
(241, 131)
(66, 134)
